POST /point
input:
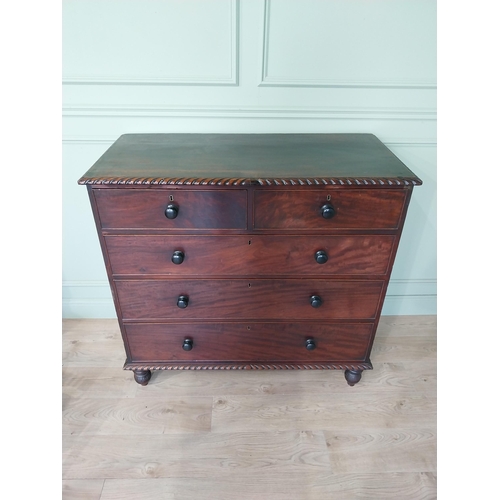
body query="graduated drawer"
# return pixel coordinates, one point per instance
(248, 342)
(255, 255)
(197, 209)
(252, 298)
(353, 209)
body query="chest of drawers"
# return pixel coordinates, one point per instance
(229, 252)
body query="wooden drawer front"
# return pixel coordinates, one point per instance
(145, 209)
(246, 342)
(255, 255)
(240, 299)
(354, 209)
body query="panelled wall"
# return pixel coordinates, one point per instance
(249, 66)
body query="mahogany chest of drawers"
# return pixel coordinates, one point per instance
(229, 251)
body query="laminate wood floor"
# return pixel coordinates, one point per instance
(250, 435)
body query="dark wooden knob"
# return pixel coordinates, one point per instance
(316, 300)
(172, 211)
(178, 257)
(187, 345)
(321, 257)
(183, 301)
(310, 344)
(327, 211)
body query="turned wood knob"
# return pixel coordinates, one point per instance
(310, 344)
(187, 344)
(321, 256)
(172, 211)
(327, 211)
(178, 257)
(316, 300)
(183, 301)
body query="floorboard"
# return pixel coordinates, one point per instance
(270, 435)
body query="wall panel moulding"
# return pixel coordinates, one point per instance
(178, 47)
(349, 44)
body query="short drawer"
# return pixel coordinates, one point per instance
(256, 255)
(146, 209)
(348, 209)
(299, 342)
(253, 298)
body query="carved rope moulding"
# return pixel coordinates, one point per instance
(250, 366)
(341, 181)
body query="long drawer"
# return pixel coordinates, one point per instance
(344, 209)
(253, 298)
(249, 255)
(146, 209)
(266, 342)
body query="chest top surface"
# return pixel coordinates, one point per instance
(249, 159)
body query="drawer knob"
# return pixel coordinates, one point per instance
(327, 211)
(310, 344)
(178, 257)
(316, 300)
(321, 257)
(183, 301)
(172, 211)
(187, 345)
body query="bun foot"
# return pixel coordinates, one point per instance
(142, 376)
(353, 376)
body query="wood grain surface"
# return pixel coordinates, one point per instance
(234, 159)
(143, 209)
(354, 209)
(268, 342)
(273, 435)
(231, 299)
(265, 255)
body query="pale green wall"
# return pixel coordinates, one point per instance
(252, 66)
